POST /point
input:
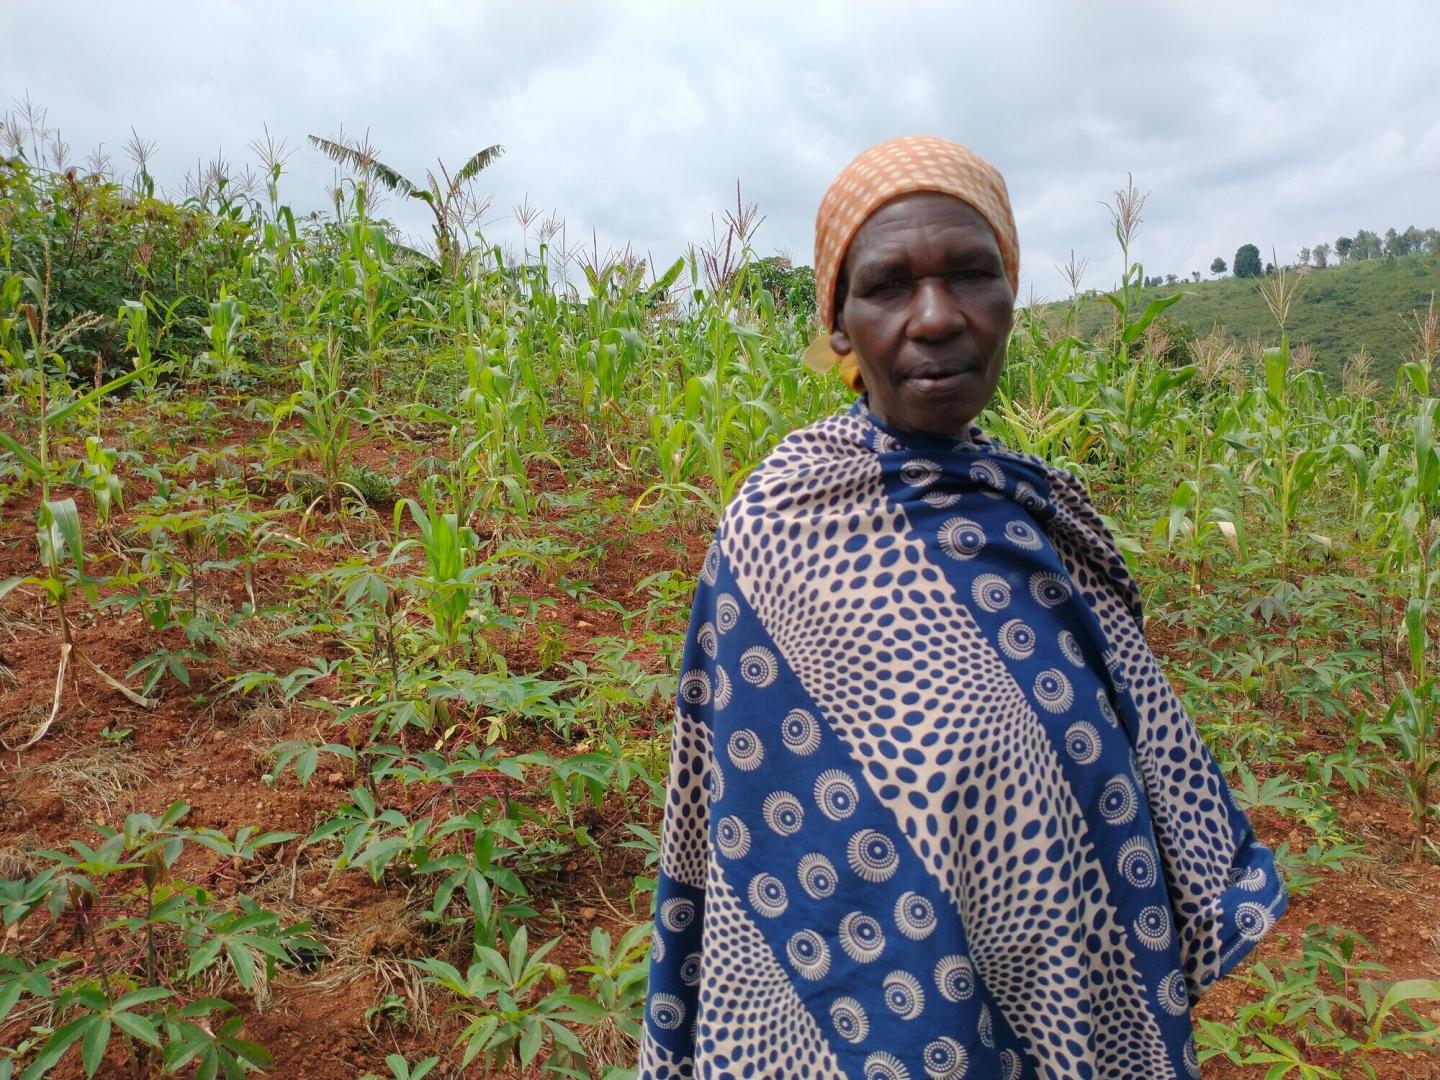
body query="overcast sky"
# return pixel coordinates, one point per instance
(1277, 124)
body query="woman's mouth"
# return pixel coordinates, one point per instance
(938, 382)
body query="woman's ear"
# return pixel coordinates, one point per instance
(839, 339)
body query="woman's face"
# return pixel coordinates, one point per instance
(926, 307)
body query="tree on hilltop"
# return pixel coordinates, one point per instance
(1247, 261)
(1218, 267)
(1322, 255)
(1343, 244)
(1366, 245)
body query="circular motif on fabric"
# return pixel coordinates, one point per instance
(985, 1028)
(1102, 702)
(1173, 996)
(783, 813)
(676, 914)
(903, 995)
(961, 538)
(1054, 692)
(1192, 1059)
(955, 978)
(690, 970)
(1249, 878)
(709, 640)
(817, 876)
(767, 895)
(710, 569)
(885, 443)
(991, 592)
(727, 612)
(872, 855)
(657, 948)
(883, 1066)
(667, 1011)
(1118, 804)
(1017, 640)
(1028, 497)
(918, 472)
(732, 837)
(716, 779)
(722, 687)
(1136, 862)
(849, 1019)
(861, 937)
(1023, 535)
(1009, 1065)
(836, 795)
(914, 916)
(1252, 920)
(758, 666)
(800, 732)
(1118, 675)
(1049, 588)
(1082, 742)
(1070, 648)
(1152, 927)
(946, 1059)
(695, 688)
(745, 749)
(809, 953)
(941, 500)
(987, 474)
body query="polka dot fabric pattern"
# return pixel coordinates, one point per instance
(950, 819)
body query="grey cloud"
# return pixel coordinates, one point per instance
(1280, 125)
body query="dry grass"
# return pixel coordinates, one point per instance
(93, 783)
(20, 725)
(20, 858)
(378, 946)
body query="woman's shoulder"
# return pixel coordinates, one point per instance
(803, 469)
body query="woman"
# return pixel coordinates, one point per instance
(933, 809)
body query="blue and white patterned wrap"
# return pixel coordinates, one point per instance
(933, 809)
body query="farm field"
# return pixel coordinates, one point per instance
(342, 589)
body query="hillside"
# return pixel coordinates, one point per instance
(1336, 310)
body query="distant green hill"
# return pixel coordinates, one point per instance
(1335, 312)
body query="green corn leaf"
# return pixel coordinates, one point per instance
(59, 413)
(59, 519)
(1152, 309)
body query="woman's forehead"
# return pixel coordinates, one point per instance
(920, 221)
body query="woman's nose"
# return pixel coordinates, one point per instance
(934, 311)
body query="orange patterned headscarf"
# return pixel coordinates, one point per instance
(883, 172)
